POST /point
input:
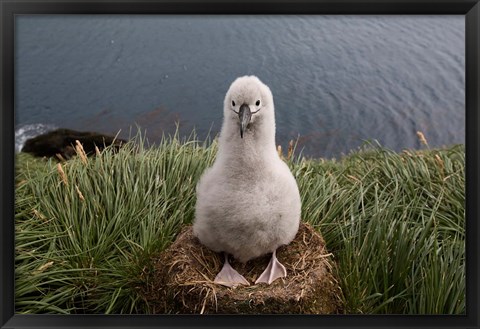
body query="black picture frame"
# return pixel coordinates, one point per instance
(8, 11)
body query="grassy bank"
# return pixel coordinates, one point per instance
(86, 229)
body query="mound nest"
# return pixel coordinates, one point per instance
(184, 273)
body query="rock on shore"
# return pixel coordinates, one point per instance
(60, 143)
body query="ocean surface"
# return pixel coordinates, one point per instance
(337, 81)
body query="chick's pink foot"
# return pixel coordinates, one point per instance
(229, 277)
(274, 270)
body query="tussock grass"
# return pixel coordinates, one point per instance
(395, 223)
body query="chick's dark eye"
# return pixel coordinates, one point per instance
(233, 103)
(257, 103)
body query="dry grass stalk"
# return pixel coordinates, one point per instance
(441, 165)
(80, 195)
(354, 178)
(97, 151)
(60, 157)
(439, 161)
(279, 150)
(422, 138)
(290, 149)
(43, 267)
(62, 174)
(38, 214)
(81, 152)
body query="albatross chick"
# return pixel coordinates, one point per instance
(248, 202)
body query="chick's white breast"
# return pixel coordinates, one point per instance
(247, 218)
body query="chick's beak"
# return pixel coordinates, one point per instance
(244, 115)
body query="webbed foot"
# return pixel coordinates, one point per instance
(274, 270)
(229, 277)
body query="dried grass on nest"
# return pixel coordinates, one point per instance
(184, 275)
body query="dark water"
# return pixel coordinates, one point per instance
(336, 80)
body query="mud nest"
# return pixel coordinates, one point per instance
(183, 280)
